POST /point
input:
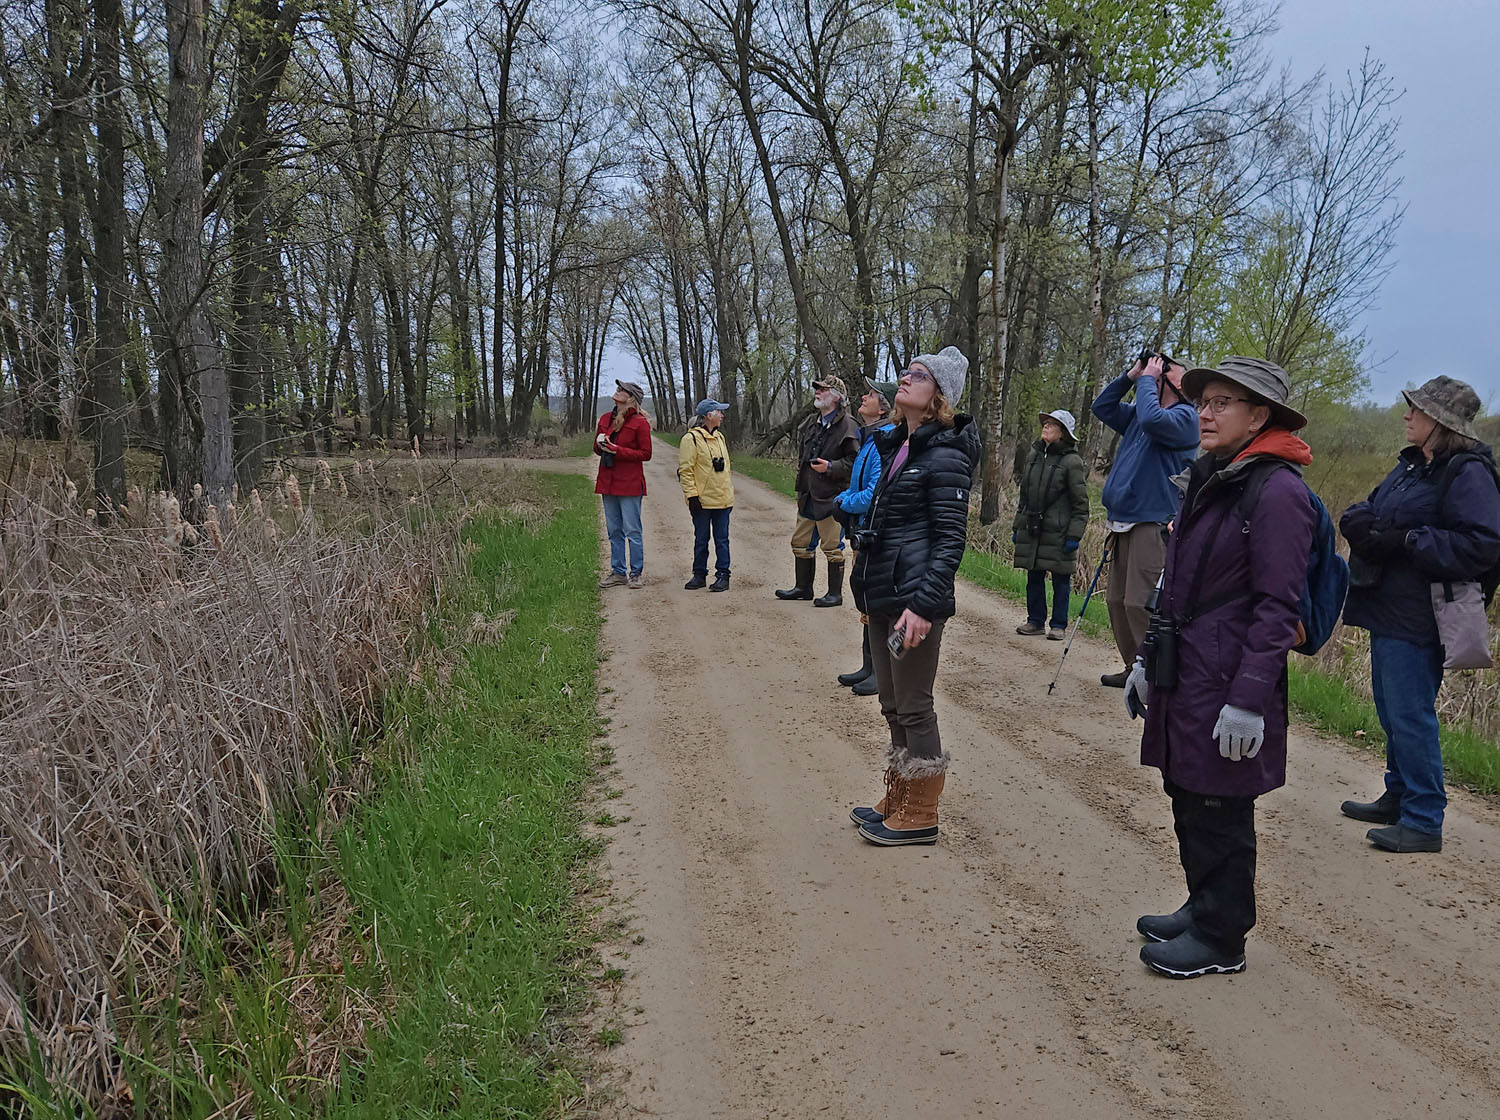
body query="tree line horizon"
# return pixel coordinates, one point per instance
(231, 229)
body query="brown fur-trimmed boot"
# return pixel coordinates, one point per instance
(914, 815)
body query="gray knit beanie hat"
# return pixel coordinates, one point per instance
(950, 369)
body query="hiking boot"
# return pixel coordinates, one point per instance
(803, 590)
(1029, 628)
(1115, 680)
(635, 582)
(835, 596)
(1399, 838)
(614, 579)
(1164, 927)
(1185, 957)
(1056, 633)
(914, 817)
(720, 583)
(1385, 809)
(867, 687)
(696, 582)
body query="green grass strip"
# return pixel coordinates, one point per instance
(463, 871)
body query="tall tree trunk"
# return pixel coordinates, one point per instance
(195, 352)
(110, 282)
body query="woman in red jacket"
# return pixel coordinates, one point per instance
(623, 442)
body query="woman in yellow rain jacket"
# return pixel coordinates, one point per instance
(703, 470)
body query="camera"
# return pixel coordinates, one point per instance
(1159, 651)
(866, 539)
(718, 461)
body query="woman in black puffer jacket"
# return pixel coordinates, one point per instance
(913, 541)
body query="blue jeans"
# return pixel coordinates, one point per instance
(622, 517)
(1405, 678)
(718, 521)
(1036, 596)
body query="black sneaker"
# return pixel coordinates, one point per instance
(1185, 957)
(696, 582)
(1399, 838)
(1386, 809)
(1164, 927)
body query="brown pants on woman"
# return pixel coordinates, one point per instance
(906, 695)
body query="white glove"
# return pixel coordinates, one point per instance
(1135, 689)
(1240, 732)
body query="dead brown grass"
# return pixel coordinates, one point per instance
(166, 686)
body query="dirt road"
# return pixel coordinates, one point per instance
(787, 969)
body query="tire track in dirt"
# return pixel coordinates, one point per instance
(787, 969)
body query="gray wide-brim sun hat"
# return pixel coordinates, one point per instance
(1452, 403)
(1266, 380)
(1063, 417)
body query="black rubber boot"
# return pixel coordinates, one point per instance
(867, 687)
(848, 680)
(803, 590)
(835, 596)
(1399, 838)
(1385, 809)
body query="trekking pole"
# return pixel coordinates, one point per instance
(1093, 583)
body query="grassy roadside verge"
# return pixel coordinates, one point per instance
(1317, 698)
(461, 871)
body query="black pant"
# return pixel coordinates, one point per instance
(1216, 840)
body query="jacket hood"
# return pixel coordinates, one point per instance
(1278, 443)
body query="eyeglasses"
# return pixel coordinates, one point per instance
(915, 375)
(1217, 405)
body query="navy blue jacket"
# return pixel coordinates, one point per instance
(1458, 541)
(1156, 445)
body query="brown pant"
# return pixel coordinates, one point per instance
(1135, 563)
(830, 539)
(906, 691)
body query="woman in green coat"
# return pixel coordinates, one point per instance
(1053, 512)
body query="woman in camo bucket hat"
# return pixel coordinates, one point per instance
(1434, 519)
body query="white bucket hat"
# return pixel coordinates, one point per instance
(1063, 417)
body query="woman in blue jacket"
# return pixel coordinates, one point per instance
(854, 503)
(1435, 518)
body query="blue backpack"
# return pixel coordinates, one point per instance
(1327, 572)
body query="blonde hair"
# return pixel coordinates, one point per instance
(937, 411)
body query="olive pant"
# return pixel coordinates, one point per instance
(1136, 559)
(810, 535)
(906, 689)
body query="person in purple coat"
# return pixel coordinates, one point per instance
(1217, 728)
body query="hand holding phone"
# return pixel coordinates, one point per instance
(896, 643)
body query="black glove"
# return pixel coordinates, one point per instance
(1357, 527)
(1382, 545)
(695, 505)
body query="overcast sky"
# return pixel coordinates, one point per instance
(1437, 309)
